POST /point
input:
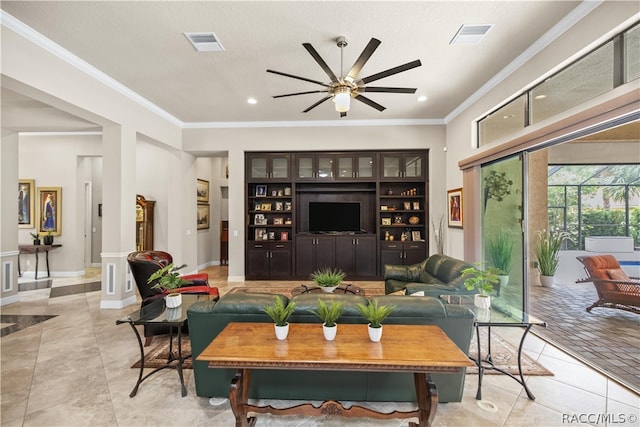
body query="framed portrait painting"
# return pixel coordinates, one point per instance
(26, 197)
(49, 210)
(454, 203)
(203, 216)
(202, 189)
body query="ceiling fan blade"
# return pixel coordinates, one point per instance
(297, 77)
(299, 93)
(370, 103)
(387, 89)
(362, 59)
(390, 72)
(316, 104)
(343, 114)
(320, 62)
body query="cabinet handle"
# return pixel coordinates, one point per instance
(258, 246)
(393, 246)
(279, 246)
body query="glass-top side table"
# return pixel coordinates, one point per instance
(499, 315)
(156, 313)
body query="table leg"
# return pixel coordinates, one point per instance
(36, 274)
(19, 271)
(135, 388)
(427, 396)
(239, 397)
(47, 258)
(524, 384)
(180, 360)
(479, 365)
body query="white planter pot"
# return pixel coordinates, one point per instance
(483, 315)
(282, 331)
(483, 302)
(375, 334)
(173, 300)
(504, 281)
(329, 332)
(174, 313)
(546, 281)
(328, 289)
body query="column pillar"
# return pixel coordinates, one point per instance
(118, 215)
(9, 218)
(236, 215)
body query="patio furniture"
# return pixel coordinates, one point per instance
(615, 289)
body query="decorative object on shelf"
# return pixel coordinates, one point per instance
(259, 219)
(481, 280)
(328, 278)
(404, 236)
(386, 221)
(329, 314)
(280, 193)
(261, 190)
(398, 220)
(438, 234)
(410, 192)
(415, 236)
(202, 191)
(287, 191)
(47, 239)
(413, 220)
(280, 314)
(203, 216)
(389, 192)
(407, 206)
(386, 235)
(416, 206)
(50, 210)
(287, 221)
(169, 281)
(279, 206)
(284, 235)
(501, 251)
(265, 207)
(26, 197)
(375, 314)
(383, 207)
(274, 193)
(260, 234)
(272, 235)
(547, 247)
(454, 203)
(496, 186)
(287, 206)
(278, 221)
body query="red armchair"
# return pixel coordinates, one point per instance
(143, 264)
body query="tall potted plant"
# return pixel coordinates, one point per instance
(547, 248)
(329, 313)
(375, 314)
(501, 252)
(280, 313)
(169, 281)
(482, 281)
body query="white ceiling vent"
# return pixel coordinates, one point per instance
(471, 34)
(205, 42)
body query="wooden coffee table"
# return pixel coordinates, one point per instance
(418, 349)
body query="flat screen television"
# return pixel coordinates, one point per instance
(327, 217)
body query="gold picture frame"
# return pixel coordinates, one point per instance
(203, 216)
(202, 191)
(50, 210)
(26, 198)
(454, 203)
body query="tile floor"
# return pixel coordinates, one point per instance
(74, 370)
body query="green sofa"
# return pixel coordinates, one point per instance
(435, 276)
(207, 319)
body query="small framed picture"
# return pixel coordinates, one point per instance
(272, 235)
(407, 206)
(416, 206)
(280, 193)
(386, 221)
(202, 191)
(274, 193)
(287, 221)
(454, 202)
(278, 206)
(415, 236)
(287, 206)
(203, 216)
(26, 197)
(384, 208)
(265, 207)
(278, 221)
(259, 219)
(284, 235)
(261, 190)
(287, 191)
(260, 234)
(257, 206)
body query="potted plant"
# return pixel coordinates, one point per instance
(48, 238)
(501, 251)
(169, 281)
(328, 278)
(547, 247)
(375, 314)
(36, 238)
(329, 313)
(483, 281)
(280, 314)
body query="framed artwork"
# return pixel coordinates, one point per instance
(260, 234)
(284, 235)
(259, 219)
(454, 202)
(386, 221)
(265, 207)
(278, 221)
(26, 197)
(203, 216)
(261, 191)
(407, 206)
(415, 236)
(50, 210)
(416, 206)
(278, 206)
(287, 206)
(202, 189)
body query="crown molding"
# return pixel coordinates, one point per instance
(313, 123)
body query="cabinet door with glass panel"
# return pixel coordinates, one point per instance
(272, 166)
(402, 165)
(355, 166)
(316, 167)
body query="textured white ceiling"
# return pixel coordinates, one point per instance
(142, 46)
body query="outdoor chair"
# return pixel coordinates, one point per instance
(143, 264)
(615, 289)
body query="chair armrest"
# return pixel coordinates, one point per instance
(202, 290)
(197, 279)
(407, 273)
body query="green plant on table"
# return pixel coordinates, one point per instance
(329, 313)
(328, 277)
(547, 248)
(374, 313)
(480, 279)
(501, 251)
(279, 312)
(168, 278)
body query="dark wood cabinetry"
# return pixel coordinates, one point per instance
(390, 187)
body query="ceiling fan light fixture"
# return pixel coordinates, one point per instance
(342, 99)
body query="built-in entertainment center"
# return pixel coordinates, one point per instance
(351, 210)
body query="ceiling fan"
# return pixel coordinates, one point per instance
(348, 86)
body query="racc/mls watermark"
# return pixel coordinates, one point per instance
(600, 418)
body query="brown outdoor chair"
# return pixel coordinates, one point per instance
(615, 289)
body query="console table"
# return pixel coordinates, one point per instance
(36, 249)
(418, 349)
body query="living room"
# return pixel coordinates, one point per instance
(164, 160)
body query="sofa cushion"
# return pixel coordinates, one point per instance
(305, 303)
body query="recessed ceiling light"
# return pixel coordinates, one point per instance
(252, 101)
(508, 116)
(540, 97)
(422, 98)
